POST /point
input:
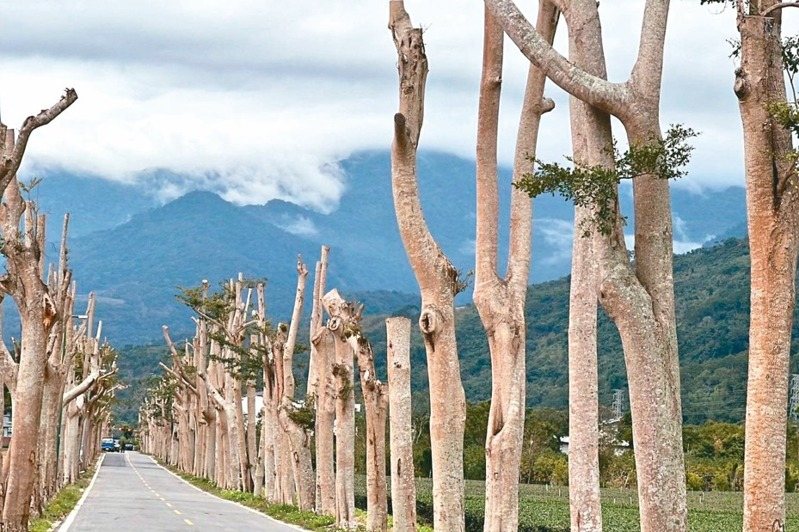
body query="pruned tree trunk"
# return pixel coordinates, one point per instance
(23, 251)
(295, 434)
(437, 278)
(773, 217)
(403, 486)
(640, 297)
(590, 134)
(375, 402)
(344, 318)
(500, 301)
(321, 388)
(325, 403)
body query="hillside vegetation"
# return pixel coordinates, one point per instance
(712, 291)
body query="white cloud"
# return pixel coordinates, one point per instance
(558, 234)
(302, 226)
(261, 99)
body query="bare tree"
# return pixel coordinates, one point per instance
(344, 323)
(322, 391)
(437, 278)
(640, 297)
(375, 401)
(773, 216)
(500, 300)
(23, 250)
(403, 486)
(298, 430)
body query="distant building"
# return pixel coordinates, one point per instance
(619, 447)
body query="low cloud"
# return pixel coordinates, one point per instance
(558, 235)
(261, 99)
(301, 226)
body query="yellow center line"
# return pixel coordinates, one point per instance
(169, 505)
(188, 522)
(177, 512)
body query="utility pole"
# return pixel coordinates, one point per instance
(793, 404)
(618, 402)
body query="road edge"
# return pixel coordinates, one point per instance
(67, 522)
(251, 510)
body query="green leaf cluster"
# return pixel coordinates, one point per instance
(596, 186)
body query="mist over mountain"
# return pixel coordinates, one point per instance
(135, 253)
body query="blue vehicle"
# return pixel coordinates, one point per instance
(109, 445)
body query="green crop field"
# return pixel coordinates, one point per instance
(546, 508)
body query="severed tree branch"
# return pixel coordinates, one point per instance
(610, 97)
(10, 164)
(777, 7)
(181, 379)
(85, 384)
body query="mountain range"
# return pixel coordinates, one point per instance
(135, 252)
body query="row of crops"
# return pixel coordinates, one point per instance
(546, 508)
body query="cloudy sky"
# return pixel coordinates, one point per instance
(261, 99)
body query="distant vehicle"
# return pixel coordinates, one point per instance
(109, 445)
(128, 446)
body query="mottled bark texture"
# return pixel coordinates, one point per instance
(640, 297)
(437, 278)
(773, 218)
(344, 323)
(591, 138)
(403, 486)
(322, 392)
(23, 250)
(325, 404)
(500, 300)
(298, 434)
(375, 401)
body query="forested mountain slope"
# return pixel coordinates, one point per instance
(134, 253)
(712, 291)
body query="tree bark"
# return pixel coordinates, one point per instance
(23, 252)
(403, 486)
(324, 343)
(437, 278)
(773, 218)
(640, 302)
(375, 403)
(500, 301)
(344, 318)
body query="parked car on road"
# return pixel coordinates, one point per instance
(109, 445)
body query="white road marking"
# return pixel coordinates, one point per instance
(71, 517)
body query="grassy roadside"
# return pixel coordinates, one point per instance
(283, 512)
(63, 503)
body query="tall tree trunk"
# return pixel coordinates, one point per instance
(22, 457)
(403, 486)
(590, 130)
(325, 404)
(344, 318)
(321, 388)
(773, 216)
(23, 250)
(640, 301)
(376, 405)
(437, 278)
(500, 301)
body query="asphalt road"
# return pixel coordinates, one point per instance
(133, 493)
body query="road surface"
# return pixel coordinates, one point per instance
(133, 493)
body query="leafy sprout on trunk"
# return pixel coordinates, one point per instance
(595, 186)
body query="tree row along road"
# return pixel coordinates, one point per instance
(133, 493)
